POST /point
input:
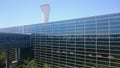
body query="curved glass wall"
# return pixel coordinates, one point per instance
(83, 42)
(86, 42)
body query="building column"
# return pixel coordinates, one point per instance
(7, 61)
(18, 54)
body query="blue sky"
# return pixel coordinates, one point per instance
(24, 12)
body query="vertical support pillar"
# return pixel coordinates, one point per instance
(18, 55)
(7, 61)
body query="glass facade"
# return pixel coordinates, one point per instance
(14, 40)
(85, 42)
(16, 46)
(77, 43)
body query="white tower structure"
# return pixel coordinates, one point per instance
(45, 8)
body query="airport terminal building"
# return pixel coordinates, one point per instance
(77, 43)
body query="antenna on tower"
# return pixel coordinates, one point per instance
(45, 8)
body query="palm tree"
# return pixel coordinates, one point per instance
(2, 59)
(26, 64)
(45, 65)
(31, 64)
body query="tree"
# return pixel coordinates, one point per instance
(26, 64)
(31, 64)
(2, 59)
(45, 65)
